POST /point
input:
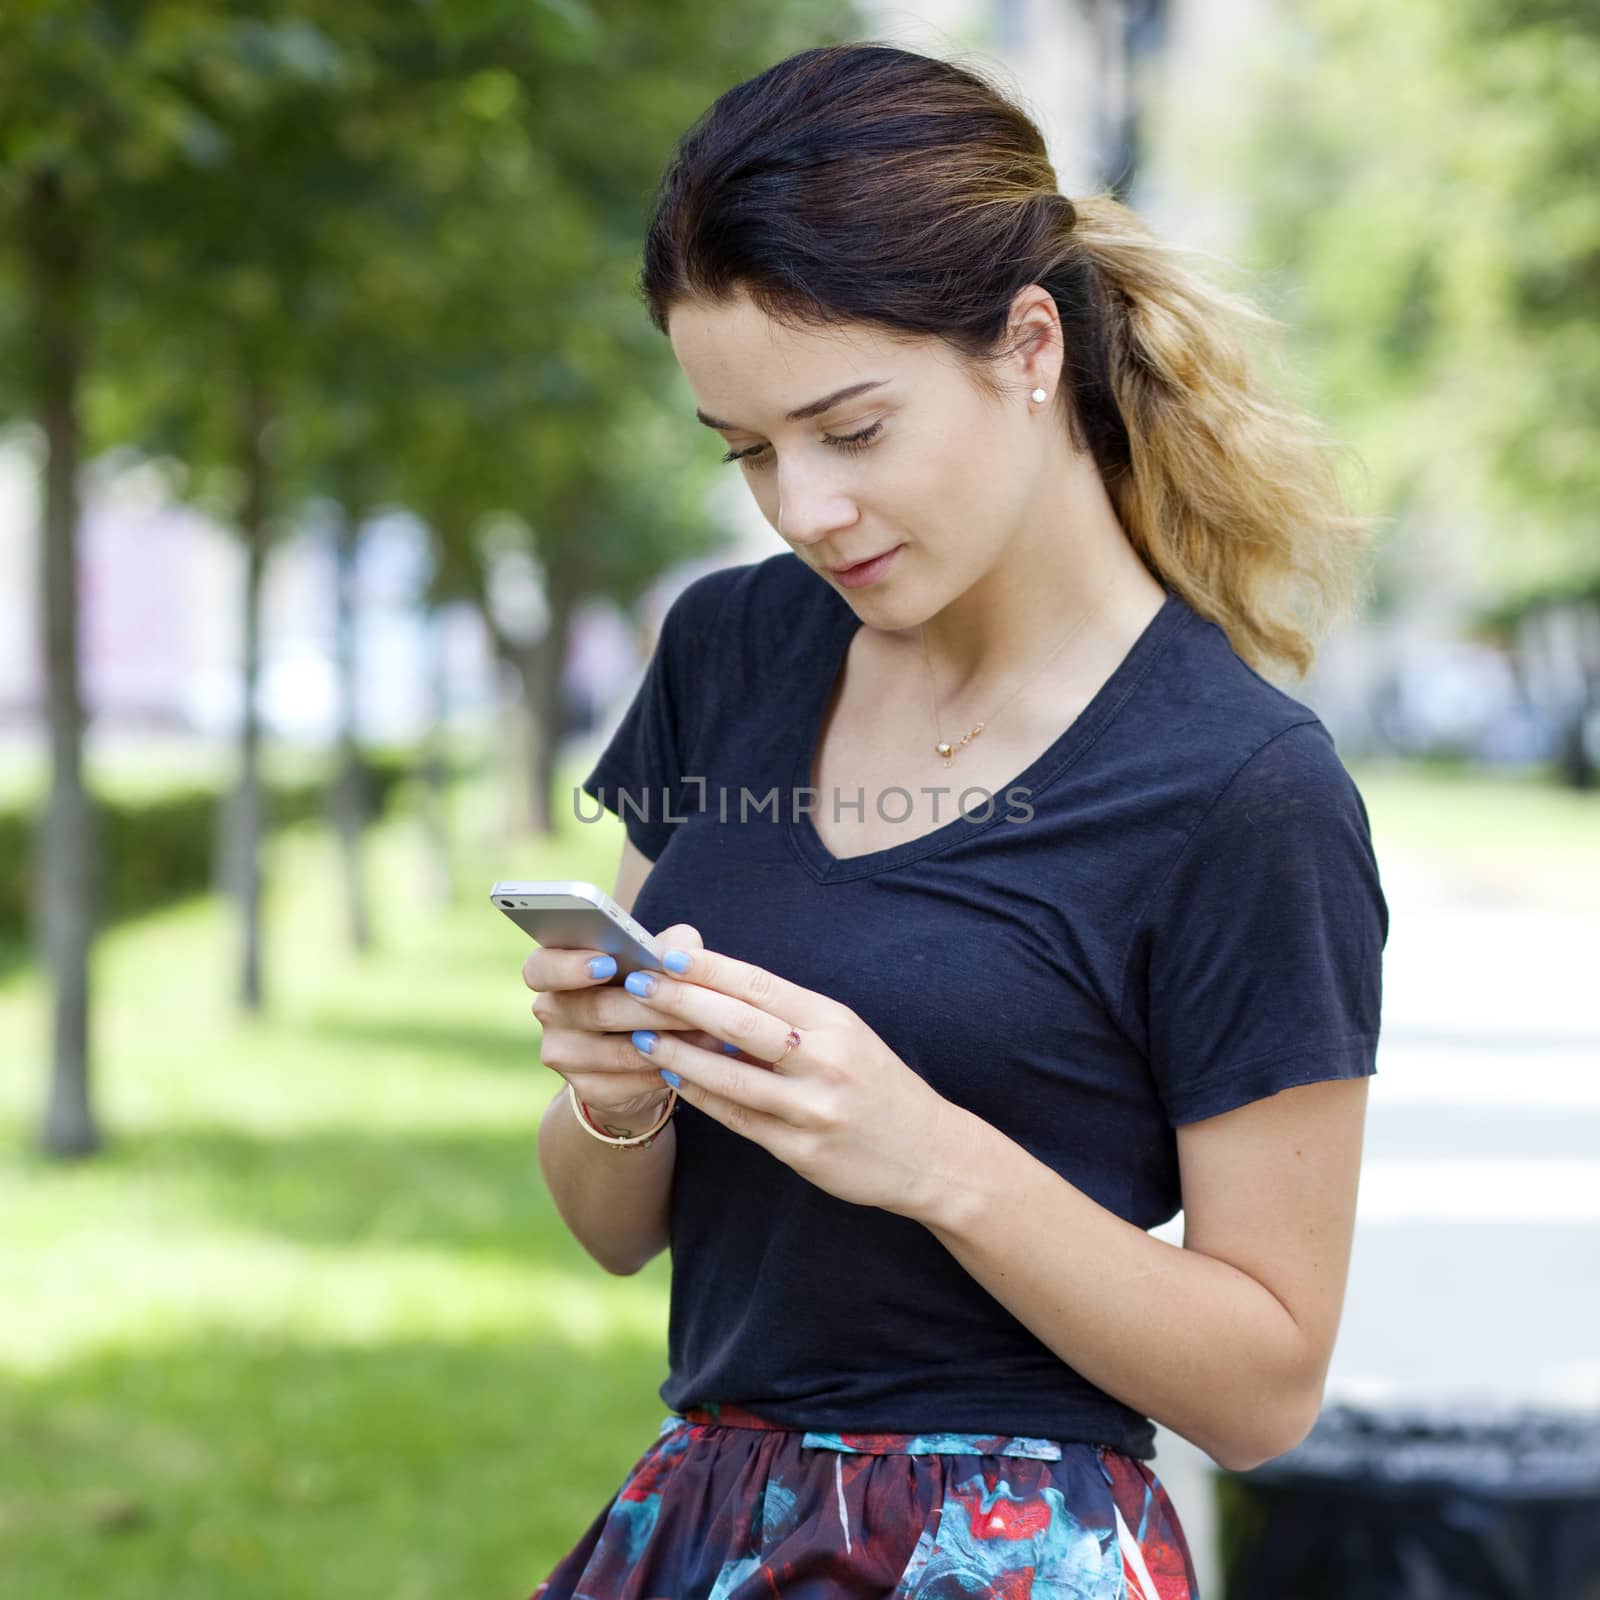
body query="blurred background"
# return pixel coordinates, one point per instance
(343, 484)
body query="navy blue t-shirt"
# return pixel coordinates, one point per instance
(1189, 919)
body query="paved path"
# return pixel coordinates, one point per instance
(1476, 1270)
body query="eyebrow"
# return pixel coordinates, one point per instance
(815, 409)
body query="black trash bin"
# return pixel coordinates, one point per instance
(1464, 1503)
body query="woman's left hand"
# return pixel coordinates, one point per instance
(841, 1108)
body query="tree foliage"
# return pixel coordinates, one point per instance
(379, 253)
(1425, 180)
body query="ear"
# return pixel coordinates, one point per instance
(1034, 341)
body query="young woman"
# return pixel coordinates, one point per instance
(1029, 910)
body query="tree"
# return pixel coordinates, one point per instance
(1424, 182)
(196, 208)
(90, 114)
(1424, 176)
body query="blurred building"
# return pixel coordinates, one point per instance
(161, 620)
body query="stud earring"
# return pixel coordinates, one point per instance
(1039, 396)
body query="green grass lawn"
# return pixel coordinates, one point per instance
(311, 1327)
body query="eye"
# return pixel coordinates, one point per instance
(758, 455)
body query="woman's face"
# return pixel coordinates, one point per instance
(906, 453)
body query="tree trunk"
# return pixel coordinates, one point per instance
(511, 745)
(349, 796)
(245, 873)
(66, 872)
(1559, 643)
(437, 822)
(540, 669)
(1573, 760)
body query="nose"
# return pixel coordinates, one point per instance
(809, 509)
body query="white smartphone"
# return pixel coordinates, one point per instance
(572, 915)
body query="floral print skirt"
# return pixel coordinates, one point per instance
(725, 1505)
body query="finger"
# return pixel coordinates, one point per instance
(756, 986)
(601, 1008)
(605, 1067)
(680, 936)
(549, 969)
(709, 1041)
(546, 970)
(606, 1008)
(627, 1055)
(758, 1034)
(622, 1055)
(752, 1100)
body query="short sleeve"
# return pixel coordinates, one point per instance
(1262, 949)
(640, 774)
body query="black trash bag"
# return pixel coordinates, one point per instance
(1419, 1504)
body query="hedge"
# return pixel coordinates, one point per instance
(157, 850)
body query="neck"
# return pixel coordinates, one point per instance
(1069, 559)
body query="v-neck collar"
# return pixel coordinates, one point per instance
(1060, 754)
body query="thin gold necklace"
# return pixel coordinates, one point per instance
(950, 751)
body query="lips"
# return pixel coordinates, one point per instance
(865, 561)
(863, 574)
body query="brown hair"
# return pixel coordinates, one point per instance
(870, 184)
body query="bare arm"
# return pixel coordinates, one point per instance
(1227, 1340)
(614, 1201)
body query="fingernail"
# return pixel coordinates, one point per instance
(640, 983)
(676, 961)
(730, 1049)
(644, 1039)
(602, 967)
(671, 1077)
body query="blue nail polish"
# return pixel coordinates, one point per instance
(644, 1039)
(676, 961)
(640, 983)
(671, 1077)
(730, 1049)
(601, 967)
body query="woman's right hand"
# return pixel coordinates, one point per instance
(587, 1025)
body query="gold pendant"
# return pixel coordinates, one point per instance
(948, 751)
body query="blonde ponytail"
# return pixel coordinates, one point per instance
(1231, 496)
